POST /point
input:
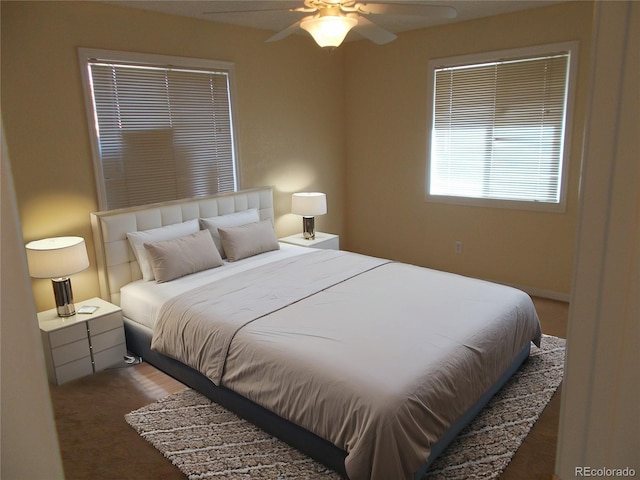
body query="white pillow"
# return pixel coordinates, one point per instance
(225, 221)
(248, 240)
(170, 259)
(138, 239)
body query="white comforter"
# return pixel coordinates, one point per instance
(379, 358)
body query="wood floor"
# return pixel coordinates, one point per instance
(97, 443)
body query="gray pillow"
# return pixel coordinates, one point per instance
(171, 259)
(225, 221)
(248, 240)
(139, 238)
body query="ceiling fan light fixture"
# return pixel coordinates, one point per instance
(329, 30)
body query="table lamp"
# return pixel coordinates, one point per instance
(57, 258)
(309, 204)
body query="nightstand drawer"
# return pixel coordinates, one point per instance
(70, 352)
(329, 244)
(107, 339)
(68, 334)
(103, 324)
(73, 370)
(109, 357)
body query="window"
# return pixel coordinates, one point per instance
(162, 127)
(499, 125)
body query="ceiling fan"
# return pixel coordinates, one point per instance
(329, 21)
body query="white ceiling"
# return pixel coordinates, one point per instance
(273, 15)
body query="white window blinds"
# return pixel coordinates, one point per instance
(498, 129)
(162, 132)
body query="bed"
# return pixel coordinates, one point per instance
(370, 366)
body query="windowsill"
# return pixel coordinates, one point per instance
(490, 203)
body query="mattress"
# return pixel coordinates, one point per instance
(380, 358)
(141, 300)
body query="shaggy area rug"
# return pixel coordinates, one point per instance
(204, 440)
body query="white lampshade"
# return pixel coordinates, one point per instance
(57, 257)
(309, 204)
(328, 30)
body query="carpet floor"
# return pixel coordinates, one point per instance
(204, 440)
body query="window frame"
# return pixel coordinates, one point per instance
(504, 55)
(86, 55)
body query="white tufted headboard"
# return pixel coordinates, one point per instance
(117, 264)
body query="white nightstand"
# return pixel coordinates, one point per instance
(83, 343)
(322, 240)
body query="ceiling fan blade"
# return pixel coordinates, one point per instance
(252, 10)
(284, 33)
(373, 32)
(407, 9)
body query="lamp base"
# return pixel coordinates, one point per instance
(308, 228)
(64, 296)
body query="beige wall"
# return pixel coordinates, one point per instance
(387, 126)
(290, 133)
(27, 428)
(351, 123)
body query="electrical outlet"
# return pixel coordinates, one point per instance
(458, 246)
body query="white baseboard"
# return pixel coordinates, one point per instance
(539, 292)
